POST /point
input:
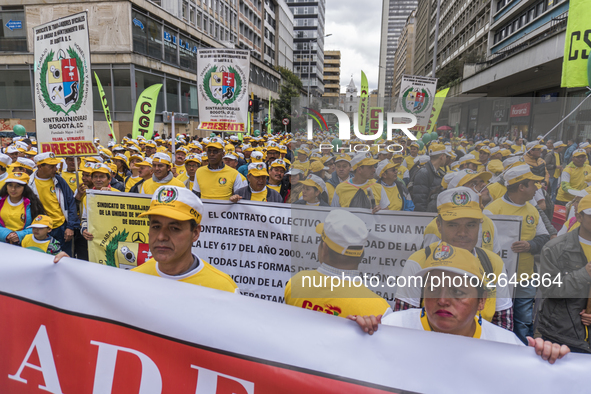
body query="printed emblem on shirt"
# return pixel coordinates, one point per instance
(461, 198)
(72, 180)
(52, 189)
(222, 181)
(486, 237)
(529, 219)
(443, 252)
(22, 217)
(327, 308)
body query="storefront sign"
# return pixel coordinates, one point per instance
(520, 110)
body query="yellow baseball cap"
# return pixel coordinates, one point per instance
(17, 177)
(446, 257)
(459, 203)
(215, 142)
(579, 152)
(362, 159)
(317, 166)
(257, 169)
(160, 157)
(42, 221)
(102, 168)
(279, 163)
(495, 166)
(194, 158)
(47, 158)
(518, 173)
(314, 181)
(437, 149)
(464, 176)
(343, 232)
(177, 203)
(385, 165)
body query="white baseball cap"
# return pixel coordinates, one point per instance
(519, 173)
(230, 156)
(177, 203)
(343, 232)
(5, 160)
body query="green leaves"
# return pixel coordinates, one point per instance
(112, 247)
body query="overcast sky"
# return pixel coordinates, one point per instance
(355, 27)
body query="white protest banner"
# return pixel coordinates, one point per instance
(508, 232)
(63, 87)
(417, 95)
(262, 245)
(77, 327)
(222, 80)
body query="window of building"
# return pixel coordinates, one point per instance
(13, 38)
(187, 53)
(122, 87)
(189, 103)
(172, 95)
(15, 90)
(170, 46)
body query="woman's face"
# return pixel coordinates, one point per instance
(310, 194)
(15, 190)
(452, 304)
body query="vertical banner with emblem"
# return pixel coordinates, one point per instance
(222, 81)
(63, 87)
(577, 46)
(363, 101)
(416, 97)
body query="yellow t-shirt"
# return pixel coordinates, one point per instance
(487, 237)
(216, 185)
(410, 162)
(13, 215)
(149, 186)
(204, 275)
(70, 178)
(496, 190)
(531, 218)
(346, 191)
(572, 177)
(183, 177)
(46, 191)
(260, 196)
(131, 182)
(180, 170)
(341, 301)
(276, 188)
(49, 246)
(394, 197)
(305, 166)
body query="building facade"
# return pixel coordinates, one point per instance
(394, 16)
(405, 56)
(134, 44)
(309, 43)
(332, 74)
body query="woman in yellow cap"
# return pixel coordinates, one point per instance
(453, 296)
(18, 206)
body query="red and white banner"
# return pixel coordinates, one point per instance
(78, 327)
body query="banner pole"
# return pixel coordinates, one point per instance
(173, 141)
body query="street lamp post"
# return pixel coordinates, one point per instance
(310, 63)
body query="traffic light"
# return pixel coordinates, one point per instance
(256, 105)
(250, 105)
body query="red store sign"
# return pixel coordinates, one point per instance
(520, 110)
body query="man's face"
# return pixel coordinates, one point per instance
(87, 179)
(584, 220)
(214, 156)
(45, 171)
(160, 170)
(472, 166)
(366, 172)
(276, 173)
(272, 155)
(13, 156)
(528, 190)
(579, 160)
(150, 151)
(461, 233)
(145, 171)
(536, 153)
(180, 157)
(343, 168)
(398, 160)
(231, 163)
(331, 166)
(257, 183)
(191, 168)
(519, 141)
(100, 180)
(550, 144)
(483, 156)
(71, 164)
(390, 175)
(302, 157)
(414, 151)
(170, 240)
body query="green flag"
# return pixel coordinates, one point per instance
(576, 47)
(437, 105)
(145, 111)
(105, 105)
(363, 99)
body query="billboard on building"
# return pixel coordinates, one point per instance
(63, 87)
(222, 81)
(416, 97)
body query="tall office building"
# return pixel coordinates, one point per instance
(332, 73)
(394, 16)
(309, 43)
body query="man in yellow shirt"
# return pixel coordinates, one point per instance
(414, 152)
(361, 190)
(277, 170)
(257, 189)
(57, 199)
(397, 192)
(161, 174)
(333, 288)
(69, 174)
(573, 177)
(341, 174)
(521, 188)
(175, 215)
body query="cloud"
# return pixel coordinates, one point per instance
(356, 32)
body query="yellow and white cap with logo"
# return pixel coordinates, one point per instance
(459, 203)
(343, 232)
(17, 177)
(316, 182)
(579, 152)
(519, 173)
(363, 159)
(160, 157)
(42, 221)
(385, 165)
(464, 176)
(257, 169)
(47, 158)
(449, 258)
(279, 163)
(437, 149)
(175, 203)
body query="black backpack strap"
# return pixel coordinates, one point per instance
(427, 252)
(484, 261)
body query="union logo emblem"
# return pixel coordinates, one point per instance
(486, 237)
(529, 219)
(62, 80)
(443, 252)
(223, 85)
(461, 198)
(167, 195)
(222, 181)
